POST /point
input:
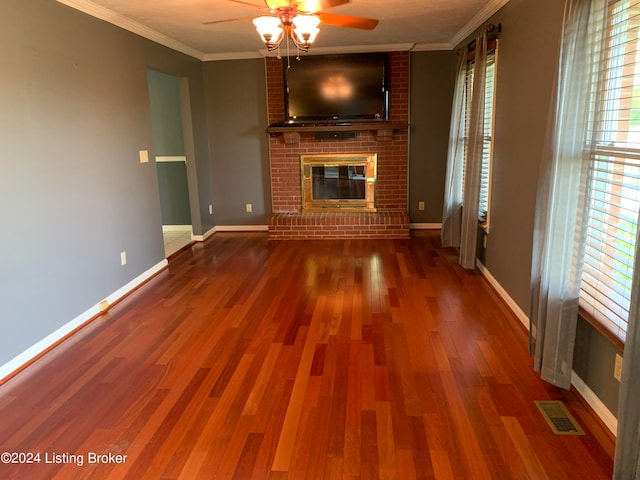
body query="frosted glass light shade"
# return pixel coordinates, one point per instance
(306, 28)
(268, 28)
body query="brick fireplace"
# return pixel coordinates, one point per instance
(388, 140)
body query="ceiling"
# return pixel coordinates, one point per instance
(405, 25)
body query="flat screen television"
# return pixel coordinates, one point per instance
(337, 88)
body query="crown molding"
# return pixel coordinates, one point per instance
(432, 47)
(391, 47)
(102, 13)
(213, 57)
(482, 16)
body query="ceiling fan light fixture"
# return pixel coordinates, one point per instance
(269, 29)
(306, 29)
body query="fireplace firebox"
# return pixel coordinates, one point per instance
(339, 182)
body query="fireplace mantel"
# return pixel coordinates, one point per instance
(383, 129)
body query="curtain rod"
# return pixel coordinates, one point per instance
(490, 28)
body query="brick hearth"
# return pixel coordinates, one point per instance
(391, 219)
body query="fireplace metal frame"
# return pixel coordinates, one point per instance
(370, 163)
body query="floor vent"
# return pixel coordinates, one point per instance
(558, 417)
(453, 259)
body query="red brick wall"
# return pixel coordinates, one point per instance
(392, 180)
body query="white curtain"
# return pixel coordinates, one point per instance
(451, 215)
(558, 235)
(627, 458)
(460, 225)
(473, 166)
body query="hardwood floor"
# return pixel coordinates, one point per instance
(251, 359)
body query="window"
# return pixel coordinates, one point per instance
(487, 150)
(614, 167)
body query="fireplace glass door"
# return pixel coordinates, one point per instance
(339, 182)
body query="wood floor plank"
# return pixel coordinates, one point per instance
(252, 359)
(294, 408)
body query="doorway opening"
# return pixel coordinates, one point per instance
(169, 101)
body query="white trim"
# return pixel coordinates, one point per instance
(242, 228)
(41, 346)
(214, 57)
(425, 226)
(479, 18)
(432, 47)
(176, 228)
(126, 23)
(174, 158)
(595, 403)
(202, 238)
(523, 317)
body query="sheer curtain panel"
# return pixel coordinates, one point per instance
(451, 215)
(558, 254)
(473, 163)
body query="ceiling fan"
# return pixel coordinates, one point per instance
(298, 20)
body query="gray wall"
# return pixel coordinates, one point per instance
(236, 102)
(593, 361)
(174, 193)
(166, 113)
(525, 75)
(432, 79)
(73, 195)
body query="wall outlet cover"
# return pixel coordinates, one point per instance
(617, 369)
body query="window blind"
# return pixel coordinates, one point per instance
(485, 174)
(614, 160)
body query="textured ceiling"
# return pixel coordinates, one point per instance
(419, 24)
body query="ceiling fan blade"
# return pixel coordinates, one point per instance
(213, 22)
(255, 5)
(313, 6)
(347, 21)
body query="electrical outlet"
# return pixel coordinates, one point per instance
(420, 205)
(144, 156)
(249, 207)
(210, 209)
(123, 258)
(617, 369)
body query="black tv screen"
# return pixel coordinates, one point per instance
(337, 88)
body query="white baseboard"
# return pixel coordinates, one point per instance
(242, 228)
(203, 237)
(582, 388)
(38, 348)
(523, 317)
(608, 418)
(425, 226)
(177, 228)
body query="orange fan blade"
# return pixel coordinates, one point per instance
(347, 21)
(313, 6)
